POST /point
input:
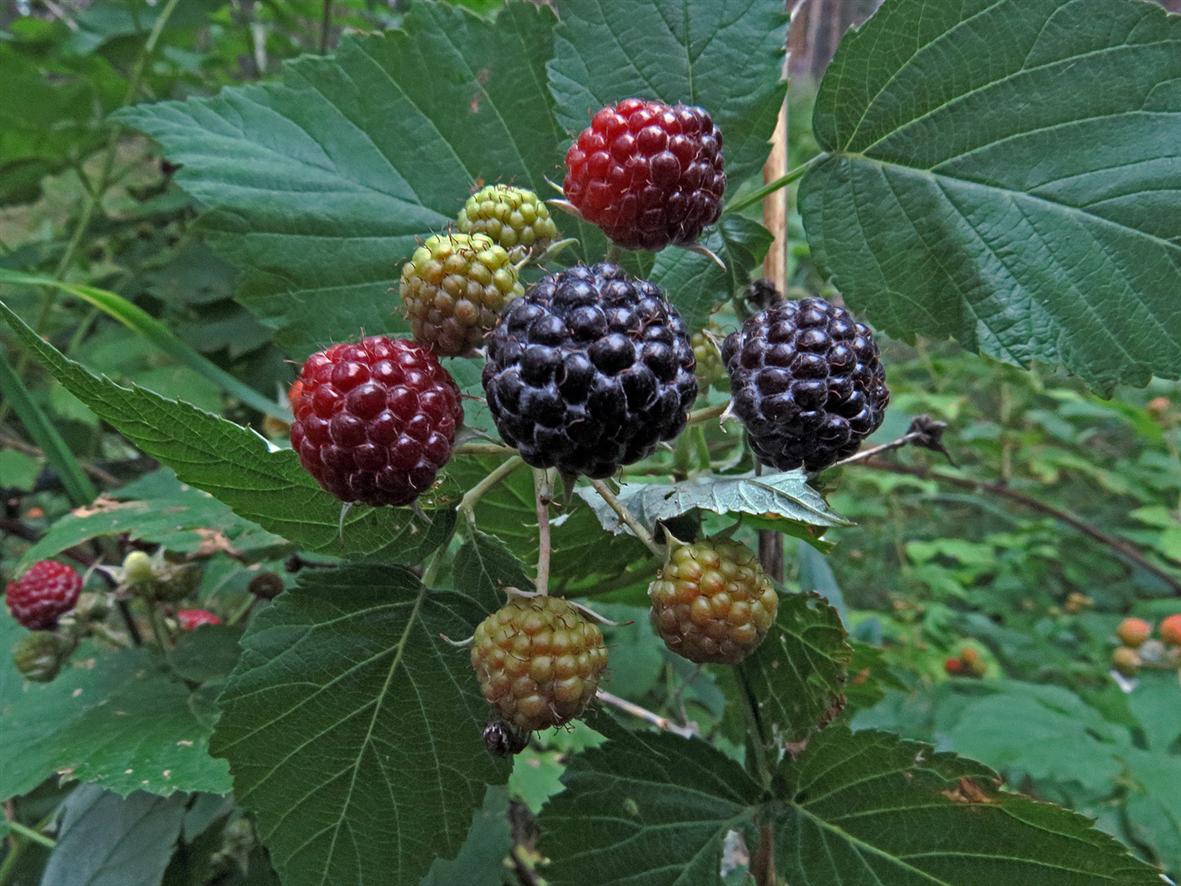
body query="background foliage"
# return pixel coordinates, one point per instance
(261, 222)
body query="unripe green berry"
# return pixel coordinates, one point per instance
(515, 218)
(39, 655)
(138, 568)
(538, 660)
(712, 602)
(709, 369)
(453, 290)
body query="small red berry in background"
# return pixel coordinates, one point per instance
(647, 173)
(954, 667)
(1133, 631)
(46, 592)
(375, 420)
(191, 619)
(1170, 630)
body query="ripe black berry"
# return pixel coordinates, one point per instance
(375, 420)
(648, 174)
(589, 371)
(806, 382)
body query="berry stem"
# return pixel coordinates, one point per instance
(771, 187)
(700, 416)
(467, 505)
(641, 713)
(483, 449)
(628, 518)
(101, 630)
(541, 486)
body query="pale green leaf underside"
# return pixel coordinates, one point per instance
(868, 808)
(786, 494)
(237, 466)
(353, 730)
(1008, 173)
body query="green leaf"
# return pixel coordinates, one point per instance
(144, 324)
(797, 675)
(108, 840)
(156, 508)
(786, 494)
(868, 807)
(726, 55)
(484, 567)
(353, 730)
(319, 186)
(239, 468)
(19, 471)
(695, 283)
(113, 719)
(1051, 718)
(1041, 231)
(649, 808)
(481, 858)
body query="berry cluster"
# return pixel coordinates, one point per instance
(806, 382)
(375, 420)
(969, 663)
(589, 371)
(1138, 649)
(648, 174)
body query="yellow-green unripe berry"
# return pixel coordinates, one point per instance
(709, 358)
(138, 569)
(513, 217)
(712, 602)
(538, 661)
(453, 290)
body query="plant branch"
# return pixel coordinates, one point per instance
(29, 834)
(1121, 546)
(483, 449)
(541, 488)
(699, 416)
(325, 27)
(642, 713)
(771, 187)
(924, 432)
(628, 518)
(467, 505)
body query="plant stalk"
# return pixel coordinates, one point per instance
(628, 518)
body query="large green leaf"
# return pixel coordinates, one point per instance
(116, 719)
(726, 55)
(1008, 172)
(797, 675)
(353, 730)
(785, 494)
(870, 808)
(238, 467)
(646, 808)
(108, 840)
(320, 185)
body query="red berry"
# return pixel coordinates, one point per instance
(375, 420)
(43, 594)
(954, 667)
(191, 619)
(648, 174)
